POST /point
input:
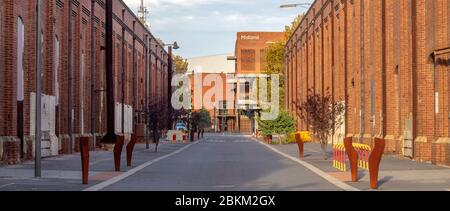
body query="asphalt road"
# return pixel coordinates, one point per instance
(224, 163)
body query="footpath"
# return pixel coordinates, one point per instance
(63, 173)
(396, 173)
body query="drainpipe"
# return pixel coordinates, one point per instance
(414, 73)
(110, 136)
(123, 73)
(134, 78)
(70, 78)
(148, 86)
(362, 83)
(146, 61)
(92, 72)
(384, 67)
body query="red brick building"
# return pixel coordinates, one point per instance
(234, 109)
(137, 54)
(212, 86)
(250, 57)
(389, 62)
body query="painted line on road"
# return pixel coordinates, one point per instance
(224, 186)
(133, 171)
(4, 186)
(314, 169)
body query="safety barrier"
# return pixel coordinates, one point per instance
(179, 137)
(302, 138)
(359, 156)
(339, 157)
(306, 136)
(363, 151)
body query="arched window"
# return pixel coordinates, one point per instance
(20, 55)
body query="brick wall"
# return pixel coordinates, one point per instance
(377, 56)
(88, 97)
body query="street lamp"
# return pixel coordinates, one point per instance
(304, 5)
(38, 128)
(174, 46)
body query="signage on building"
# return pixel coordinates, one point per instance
(249, 37)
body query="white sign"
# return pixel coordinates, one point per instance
(249, 37)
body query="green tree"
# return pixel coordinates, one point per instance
(289, 30)
(282, 126)
(200, 121)
(180, 64)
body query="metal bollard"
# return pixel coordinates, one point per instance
(375, 160)
(84, 149)
(301, 145)
(118, 151)
(353, 158)
(130, 148)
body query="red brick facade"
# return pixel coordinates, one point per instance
(88, 76)
(388, 60)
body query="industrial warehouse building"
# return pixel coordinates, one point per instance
(73, 74)
(234, 110)
(388, 60)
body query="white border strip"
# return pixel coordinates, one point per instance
(133, 171)
(314, 169)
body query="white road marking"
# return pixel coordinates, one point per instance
(224, 186)
(314, 169)
(4, 186)
(131, 172)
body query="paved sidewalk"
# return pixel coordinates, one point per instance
(396, 174)
(63, 173)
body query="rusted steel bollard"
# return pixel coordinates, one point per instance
(84, 149)
(118, 151)
(130, 148)
(353, 158)
(375, 160)
(301, 145)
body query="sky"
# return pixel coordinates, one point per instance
(209, 27)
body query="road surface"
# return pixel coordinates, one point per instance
(224, 163)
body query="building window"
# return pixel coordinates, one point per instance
(248, 59)
(20, 57)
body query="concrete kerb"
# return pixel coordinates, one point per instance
(312, 168)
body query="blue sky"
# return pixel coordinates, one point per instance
(208, 27)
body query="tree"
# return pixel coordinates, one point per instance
(289, 30)
(323, 116)
(180, 64)
(200, 121)
(282, 126)
(205, 120)
(154, 122)
(158, 115)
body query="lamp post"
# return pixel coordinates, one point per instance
(215, 118)
(110, 136)
(304, 5)
(172, 47)
(38, 170)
